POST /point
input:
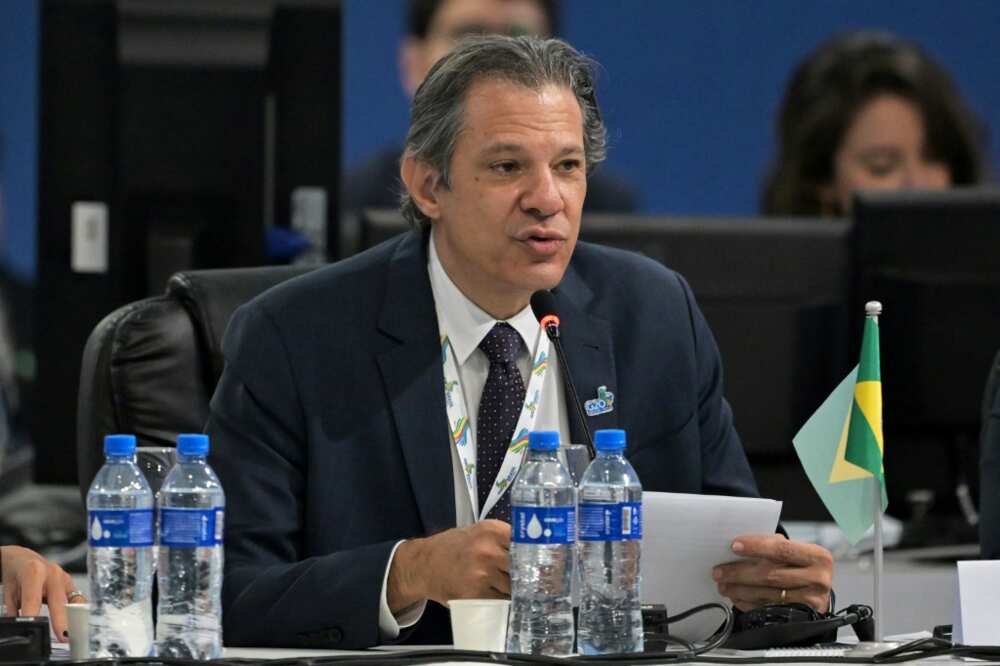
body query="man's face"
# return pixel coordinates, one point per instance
(509, 222)
(455, 19)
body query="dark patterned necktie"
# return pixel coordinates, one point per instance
(499, 409)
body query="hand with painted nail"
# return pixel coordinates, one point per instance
(29, 580)
(775, 570)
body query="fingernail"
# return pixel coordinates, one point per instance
(737, 546)
(717, 573)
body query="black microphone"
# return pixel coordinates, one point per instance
(543, 304)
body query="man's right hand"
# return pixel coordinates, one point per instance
(461, 563)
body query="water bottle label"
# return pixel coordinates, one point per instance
(191, 528)
(117, 528)
(549, 524)
(611, 522)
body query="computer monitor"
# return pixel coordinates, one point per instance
(193, 125)
(933, 260)
(774, 292)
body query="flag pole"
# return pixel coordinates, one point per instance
(872, 310)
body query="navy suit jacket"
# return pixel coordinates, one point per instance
(330, 435)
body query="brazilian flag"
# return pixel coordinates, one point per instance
(841, 445)
(864, 436)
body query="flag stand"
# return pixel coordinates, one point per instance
(872, 310)
(842, 449)
(877, 551)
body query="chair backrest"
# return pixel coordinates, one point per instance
(150, 367)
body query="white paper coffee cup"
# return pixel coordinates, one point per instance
(479, 624)
(79, 631)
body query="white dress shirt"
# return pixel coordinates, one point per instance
(466, 325)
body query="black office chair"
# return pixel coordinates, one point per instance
(150, 367)
(989, 467)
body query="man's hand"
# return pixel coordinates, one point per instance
(461, 563)
(28, 580)
(774, 571)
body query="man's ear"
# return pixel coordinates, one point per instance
(421, 181)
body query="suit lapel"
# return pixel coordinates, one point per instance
(589, 354)
(414, 382)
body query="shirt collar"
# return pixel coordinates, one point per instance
(465, 323)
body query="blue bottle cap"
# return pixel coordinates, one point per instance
(543, 440)
(609, 440)
(192, 444)
(119, 445)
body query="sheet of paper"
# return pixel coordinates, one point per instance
(683, 537)
(977, 606)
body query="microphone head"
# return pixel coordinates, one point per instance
(543, 305)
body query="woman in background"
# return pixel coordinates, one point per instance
(871, 111)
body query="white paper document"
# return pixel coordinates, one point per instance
(977, 606)
(683, 537)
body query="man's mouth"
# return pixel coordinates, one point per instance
(544, 244)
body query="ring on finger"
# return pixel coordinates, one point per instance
(784, 593)
(75, 594)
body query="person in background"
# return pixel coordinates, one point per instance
(29, 580)
(869, 110)
(434, 27)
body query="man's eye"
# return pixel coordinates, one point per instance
(570, 165)
(504, 167)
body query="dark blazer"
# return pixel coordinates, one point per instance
(330, 436)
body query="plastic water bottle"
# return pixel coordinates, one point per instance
(191, 506)
(120, 557)
(610, 538)
(543, 522)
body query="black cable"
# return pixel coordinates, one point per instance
(984, 652)
(683, 615)
(677, 640)
(690, 650)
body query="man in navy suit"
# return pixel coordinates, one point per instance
(369, 416)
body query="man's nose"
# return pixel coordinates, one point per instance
(542, 198)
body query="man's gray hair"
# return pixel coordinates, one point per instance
(439, 104)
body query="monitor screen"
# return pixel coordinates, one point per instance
(933, 260)
(774, 292)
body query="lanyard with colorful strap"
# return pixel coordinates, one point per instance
(461, 433)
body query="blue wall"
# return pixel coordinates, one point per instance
(689, 89)
(19, 34)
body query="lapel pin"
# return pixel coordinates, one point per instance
(602, 404)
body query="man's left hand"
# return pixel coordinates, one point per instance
(776, 570)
